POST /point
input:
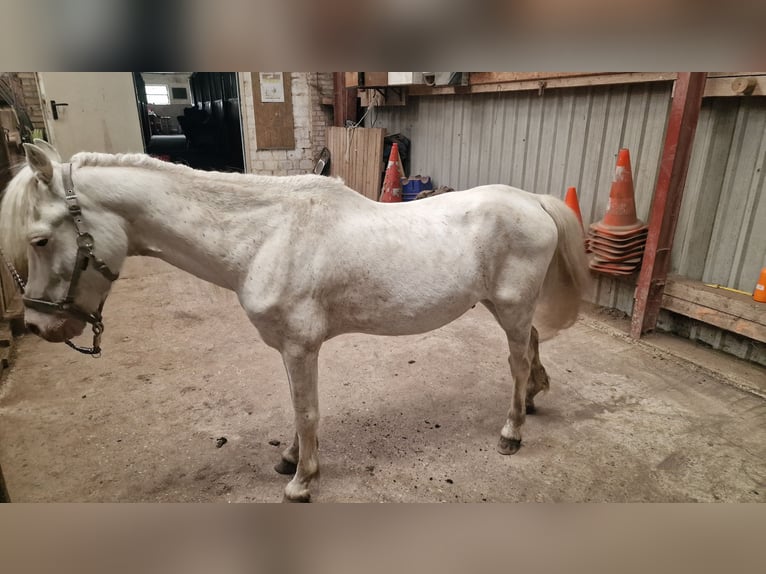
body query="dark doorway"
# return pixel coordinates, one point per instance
(192, 118)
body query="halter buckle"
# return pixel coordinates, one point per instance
(85, 240)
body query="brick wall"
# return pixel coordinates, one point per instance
(31, 98)
(311, 117)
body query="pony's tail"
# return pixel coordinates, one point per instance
(568, 277)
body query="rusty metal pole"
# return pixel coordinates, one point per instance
(666, 205)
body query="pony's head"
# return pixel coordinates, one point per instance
(39, 237)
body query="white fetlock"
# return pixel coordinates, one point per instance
(295, 492)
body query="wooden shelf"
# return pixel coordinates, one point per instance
(731, 311)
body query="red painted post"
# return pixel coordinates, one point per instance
(666, 205)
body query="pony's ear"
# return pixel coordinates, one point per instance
(39, 162)
(49, 150)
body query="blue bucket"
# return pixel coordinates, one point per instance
(412, 186)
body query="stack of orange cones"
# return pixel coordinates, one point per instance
(392, 182)
(618, 240)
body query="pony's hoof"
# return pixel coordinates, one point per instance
(508, 445)
(286, 467)
(306, 498)
(293, 494)
(531, 409)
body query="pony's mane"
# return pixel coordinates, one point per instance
(144, 161)
(125, 160)
(16, 204)
(19, 199)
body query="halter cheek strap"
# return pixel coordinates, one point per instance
(85, 257)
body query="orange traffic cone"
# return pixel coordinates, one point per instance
(392, 183)
(571, 201)
(618, 240)
(620, 217)
(759, 293)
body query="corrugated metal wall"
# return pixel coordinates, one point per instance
(571, 137)
(544, 144)
(539, 143)
(721, 236)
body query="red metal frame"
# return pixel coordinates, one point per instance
(666, 205)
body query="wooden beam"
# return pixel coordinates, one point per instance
(718, 84)
(666, 204)
(345, 100)
(714, 317)
(559, 81)
(735, 86)
(723, 309)
(476, 78)
(734, 304)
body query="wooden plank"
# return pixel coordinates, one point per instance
(375, 79)
(726, 86)
(733, 323)
(356, 156)
(344, 101)
(734, 74)
(274, 122)
(496, 77)
(558, 82)
(393, 96)
(10, 300)
(352, 79)
(11, 306)
(734, 304)
(366, 79)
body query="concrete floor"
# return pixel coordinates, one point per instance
(404, 419)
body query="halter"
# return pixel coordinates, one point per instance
(85, 256)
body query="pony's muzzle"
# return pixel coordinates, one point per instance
(53, 328)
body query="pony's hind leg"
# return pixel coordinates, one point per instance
(289, 462)
(517, 323)
(538, 378)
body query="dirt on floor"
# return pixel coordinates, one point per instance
(187, 404)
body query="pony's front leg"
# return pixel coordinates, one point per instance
(301, 364)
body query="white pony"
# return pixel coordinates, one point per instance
(308, 257)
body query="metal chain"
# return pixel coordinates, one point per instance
(20, 283)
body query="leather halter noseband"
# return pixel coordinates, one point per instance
(85, 257)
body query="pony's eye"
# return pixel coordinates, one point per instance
(41, 242)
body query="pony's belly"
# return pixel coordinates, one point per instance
(417, 317)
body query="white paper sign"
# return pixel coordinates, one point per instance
(272, 87)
